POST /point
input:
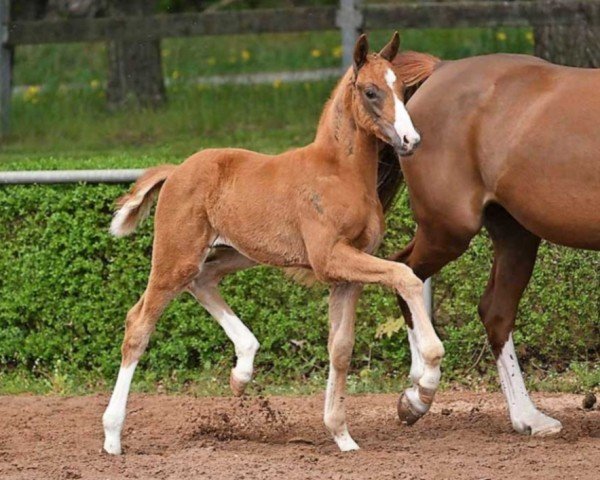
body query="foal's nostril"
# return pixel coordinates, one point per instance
(405, 140)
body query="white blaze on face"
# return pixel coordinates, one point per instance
(402, 122)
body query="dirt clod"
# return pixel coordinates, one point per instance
(589, 401)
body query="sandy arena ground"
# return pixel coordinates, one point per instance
(466, 435)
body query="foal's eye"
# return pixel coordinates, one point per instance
(370, 94)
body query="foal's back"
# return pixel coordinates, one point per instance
(519, 131)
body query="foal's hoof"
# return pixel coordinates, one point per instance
(237, 386)
(406, 413)
(112, 446)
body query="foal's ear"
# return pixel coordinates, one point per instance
(361, 49)
(390, 51)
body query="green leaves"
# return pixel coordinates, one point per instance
(66, 286)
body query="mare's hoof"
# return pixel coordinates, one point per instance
(537, 424)
(406, 414)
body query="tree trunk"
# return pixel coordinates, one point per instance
(576, 44)
(134, 67)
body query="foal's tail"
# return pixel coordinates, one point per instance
(413, 68)
(134, 206)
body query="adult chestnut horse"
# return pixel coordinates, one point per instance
(314, 207)
(510, 143)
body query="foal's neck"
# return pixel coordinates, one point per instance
(353, 147)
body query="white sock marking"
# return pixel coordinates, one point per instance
(402, 121)
(245, 343)
(114, 416)
(416, 363)
(525, 417)
(345, 442)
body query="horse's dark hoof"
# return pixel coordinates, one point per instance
(406, 414)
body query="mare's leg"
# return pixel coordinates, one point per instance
(180, 246)
(343, 263)
(426, 254)
(342, 310)
(205, 290)
(515, 251)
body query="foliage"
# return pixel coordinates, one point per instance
(66, 287)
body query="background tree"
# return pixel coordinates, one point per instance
(576, 44)
(134, 67)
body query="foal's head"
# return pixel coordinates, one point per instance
(378, 97)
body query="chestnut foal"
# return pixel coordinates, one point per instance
(315, 207)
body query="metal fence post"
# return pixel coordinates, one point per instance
(5, 74)
(350, 20)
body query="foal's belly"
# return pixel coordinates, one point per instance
(267, 250)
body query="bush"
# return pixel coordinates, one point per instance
(66, 286)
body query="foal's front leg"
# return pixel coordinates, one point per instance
(342, 309)
(345, 263)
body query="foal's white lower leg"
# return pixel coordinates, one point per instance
(141, 320)
(525, 417)
(426, 352)
(114, 416)
(245, 343)
(342, 307)
(140, 324)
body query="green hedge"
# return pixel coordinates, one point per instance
(66, 285)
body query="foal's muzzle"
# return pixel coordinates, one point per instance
(406, 144)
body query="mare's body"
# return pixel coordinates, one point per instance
(510, 142)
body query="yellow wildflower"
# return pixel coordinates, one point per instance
(277, 83)
(501, 36)
(245, 55)
(175, 74)
(337, 52)
(315, 53)
(211, 60)
(529, 37)
(94, 84)
(165, 52)
(31, 94)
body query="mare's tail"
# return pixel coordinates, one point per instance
(134, 206)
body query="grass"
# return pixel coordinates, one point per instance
(186, 58)
(60, 127)
(577, 378)
(71, 127)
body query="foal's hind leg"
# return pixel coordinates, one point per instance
(515, 251)
(205, 290)
(175, 262)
